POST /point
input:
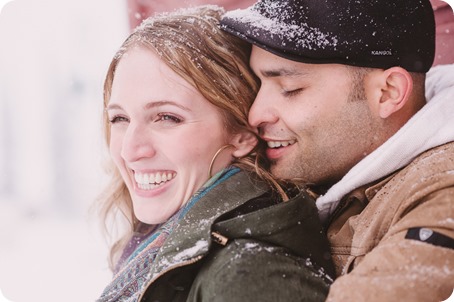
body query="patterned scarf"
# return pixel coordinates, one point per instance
(128, 282)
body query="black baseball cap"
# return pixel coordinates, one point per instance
(366, 33)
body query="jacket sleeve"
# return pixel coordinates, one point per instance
(247, 270)
(414, 261)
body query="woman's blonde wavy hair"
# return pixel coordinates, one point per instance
(190, 42)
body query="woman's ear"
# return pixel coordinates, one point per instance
(243, 142)
(396, 87)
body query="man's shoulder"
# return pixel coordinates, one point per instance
(428, 168)
(430, 172)
(443, 155)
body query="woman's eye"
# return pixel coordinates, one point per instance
(118, 119)
(164, 117)
(290, 93)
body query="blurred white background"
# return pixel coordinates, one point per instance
(53, 58)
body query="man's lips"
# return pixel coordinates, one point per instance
(279, 143)
(277, 149)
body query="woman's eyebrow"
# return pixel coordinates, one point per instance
(113, 106)
(154, 104)
(150, 105)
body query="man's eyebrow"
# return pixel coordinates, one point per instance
(273, 73)
(151, 105)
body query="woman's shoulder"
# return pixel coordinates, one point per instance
(236, 273)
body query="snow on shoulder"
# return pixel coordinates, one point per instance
(192, 251)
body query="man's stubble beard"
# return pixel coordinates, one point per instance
(297, 169)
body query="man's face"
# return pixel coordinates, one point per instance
(316, 121)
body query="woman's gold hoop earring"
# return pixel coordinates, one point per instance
(215, 156)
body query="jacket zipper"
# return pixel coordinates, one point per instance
(218, 238)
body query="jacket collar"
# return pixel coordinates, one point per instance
(192, 238)
(279, 225)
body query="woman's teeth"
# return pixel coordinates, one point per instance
(148, 181)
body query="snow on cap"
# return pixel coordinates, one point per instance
(366, 33)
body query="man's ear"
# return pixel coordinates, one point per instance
(396, 86)
(243, 142)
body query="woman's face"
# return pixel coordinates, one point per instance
(164, 134)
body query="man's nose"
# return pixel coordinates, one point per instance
(263, 110)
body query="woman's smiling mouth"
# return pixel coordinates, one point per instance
(149, 181)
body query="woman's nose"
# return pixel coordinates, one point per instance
(137, 144)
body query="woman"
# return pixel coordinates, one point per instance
(206, 224)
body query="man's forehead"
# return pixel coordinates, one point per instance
(266, 64)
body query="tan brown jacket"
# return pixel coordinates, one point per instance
(368, 235)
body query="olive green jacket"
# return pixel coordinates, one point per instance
(239, 244)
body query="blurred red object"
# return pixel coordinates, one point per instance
(444, 19)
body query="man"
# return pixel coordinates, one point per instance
(342, 107)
